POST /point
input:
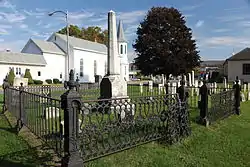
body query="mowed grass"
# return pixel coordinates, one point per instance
(226, 143)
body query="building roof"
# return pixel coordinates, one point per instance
(120, 33)
(22, 58)
(48, 47)
(210, 63)
(242, 55)
(84, 44)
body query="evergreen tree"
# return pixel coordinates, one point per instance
(11, 77)
(28, 75)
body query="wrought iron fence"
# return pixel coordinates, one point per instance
(42, 115)
(108, 126)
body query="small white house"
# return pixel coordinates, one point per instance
(87, 58)
(238, 65)
(19, 62)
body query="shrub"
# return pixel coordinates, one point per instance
(56, 81)
(38, 82)
(28, 75)
(11, 77)
(49, 81)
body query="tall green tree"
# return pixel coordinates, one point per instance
(164, 43)
(93, 33)
(11, 77)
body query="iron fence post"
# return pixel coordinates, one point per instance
(237, 90)
(20, 115)
(71, 103)
(5, 87)
(184, 124)
(203, 104)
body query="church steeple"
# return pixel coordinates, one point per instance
(120, 33)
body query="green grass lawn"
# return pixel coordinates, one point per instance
(226, 143)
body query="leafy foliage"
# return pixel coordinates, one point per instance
(56, 81)
(164, 44)
(93, 33)
(27, 74)
(49, 81)
(38, 82)
(11, 77)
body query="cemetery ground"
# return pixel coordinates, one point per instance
(226, 143)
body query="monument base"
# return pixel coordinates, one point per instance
(113, 87)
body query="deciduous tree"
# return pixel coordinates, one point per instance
(164, 43)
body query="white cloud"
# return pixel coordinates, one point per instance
(23, 26)
(3, 31)
(6, 4)
(131, 17)
(199, 23)
(221, 30)
(190, 8)
(13, 17)
(226, 41)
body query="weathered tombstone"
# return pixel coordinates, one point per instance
(185, 80)
(113, 85)
(189, 80)
(225, 82)
(248, 95)
(196, 85)
(215, 87)
(245, 87)
(51, 112)
(193, 78)
(248, 86)
(243, 98)
(150, 86)
(18, 81)
(141, 87)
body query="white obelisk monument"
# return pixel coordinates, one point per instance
(112, 85)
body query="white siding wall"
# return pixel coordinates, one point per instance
(32, 49)
(63, 45)
(55, 66)
(235, 69)
(88, 64)
(4, 68)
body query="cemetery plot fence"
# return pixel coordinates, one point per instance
(216, 106)
(42, 115)
(96, 128)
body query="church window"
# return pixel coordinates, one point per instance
(95, 67)
(39, 73)
(16, 71)
(61, 76)
(121, 48)
(19, 72)
(81, 67)
(125, 49)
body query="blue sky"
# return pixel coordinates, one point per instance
(220, 27)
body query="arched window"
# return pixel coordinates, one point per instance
(81, 67)
(121, 49)
(95, 67)
(125, 49)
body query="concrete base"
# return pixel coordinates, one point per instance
(113, 87)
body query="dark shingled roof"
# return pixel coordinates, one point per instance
(210, 63)
(242, 55)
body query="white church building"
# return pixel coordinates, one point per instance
(46, 59)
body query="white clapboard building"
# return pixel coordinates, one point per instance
(46, 59)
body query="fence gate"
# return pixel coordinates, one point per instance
(221, 105)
